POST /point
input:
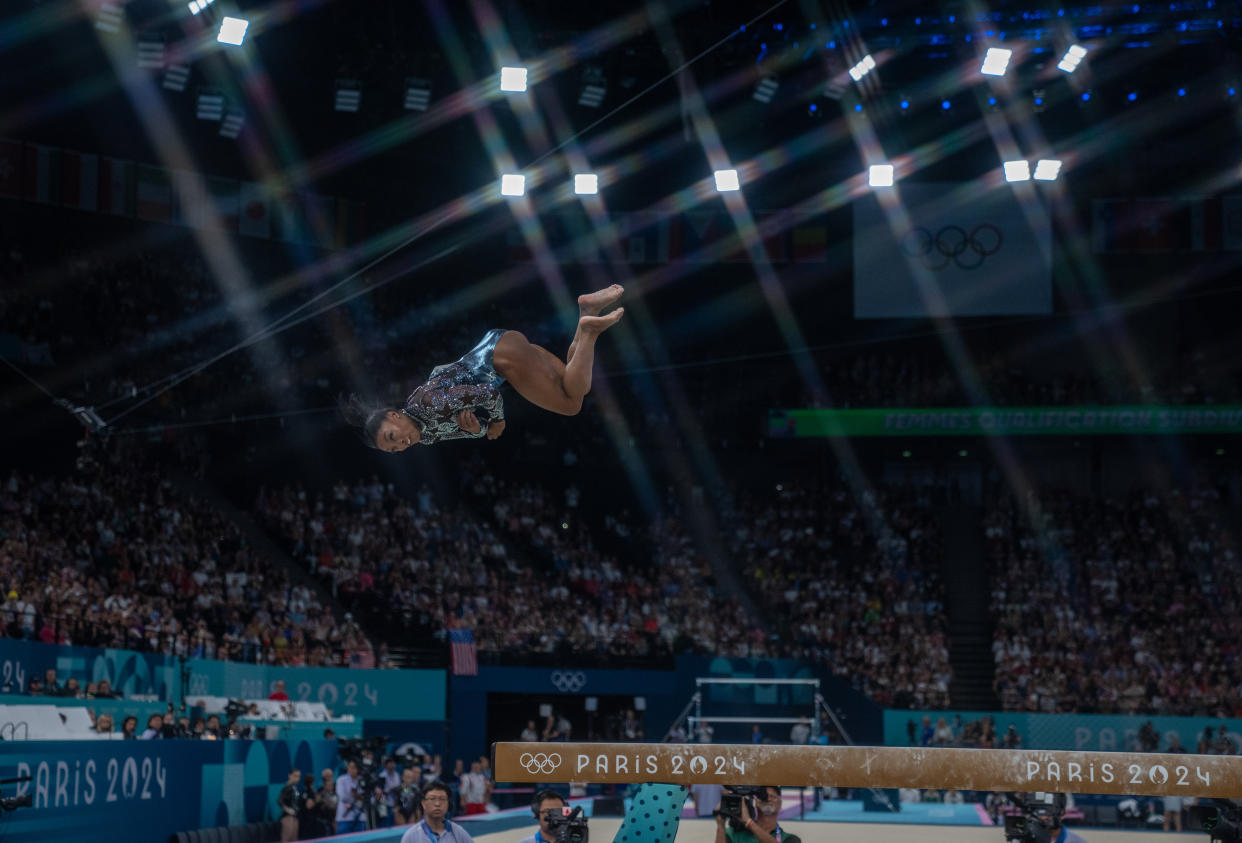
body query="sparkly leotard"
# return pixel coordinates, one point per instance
(470, 383)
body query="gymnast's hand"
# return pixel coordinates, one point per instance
(468, 422)
(495, 429)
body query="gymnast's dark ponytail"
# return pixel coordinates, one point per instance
(365, 415)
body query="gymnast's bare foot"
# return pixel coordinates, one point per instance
(592, 303)
(598, 324)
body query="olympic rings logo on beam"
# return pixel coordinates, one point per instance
(952, 245)
(539, 762)
(568, 681)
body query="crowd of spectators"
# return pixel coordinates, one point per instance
(1099, 603)
(124, 558)
(526, 576)
(851, 580)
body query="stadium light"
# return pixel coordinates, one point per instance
(995, 62)
(586, 184)
(1047, 169)
(232, 31)
(513, 79)
(231, 125)
(348, 95)
(109, 17)
(512, 184)
(197, 6)
(766, 89)
(150, 51)
(858, 71)
(176, 77)
(726, 180)
(594, 87)
(210, 104)
(1069, 62)
(417, 94)
(1017, 171)
(880, 175)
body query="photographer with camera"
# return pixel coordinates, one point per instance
(547, 806)
(349, 806)
(409, 798)
(1038, 819)
(435, 826)
(749, 814)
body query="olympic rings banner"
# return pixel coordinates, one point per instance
(1005, 421)
(951, 250)
(116, 791)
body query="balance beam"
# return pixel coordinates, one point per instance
(1146, 774)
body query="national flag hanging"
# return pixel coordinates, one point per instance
(224, 198)
(117, 189)
(255, 210)
(10, 168)
(42, 173)
(464, 657)
(155, 194)
(80, 181)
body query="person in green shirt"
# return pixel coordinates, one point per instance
(760, 826)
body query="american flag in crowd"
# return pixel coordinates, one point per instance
(461, 644)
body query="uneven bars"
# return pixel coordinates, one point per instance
(1148, 774)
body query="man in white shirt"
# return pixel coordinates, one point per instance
(390, 781)
(544, 801)
(349, 814)
(474, 790)
(435, 826)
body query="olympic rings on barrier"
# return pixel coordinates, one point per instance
(952, 245)
(540, 763)
(568, 681)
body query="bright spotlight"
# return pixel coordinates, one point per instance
(726, 180)
(1017, 170)
(513, 79)
(348, 95)
(586, 184)
(1071, 58)
(880, 175)
(197, 6)
(995, 62)
(1047, 169)
(766, 89)
(512, 184)
(232, 31)
(858, 71)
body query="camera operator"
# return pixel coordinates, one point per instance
(310, 820)
(326, 805)
(545, 802)
(390, 783)
(350, 814)
(288, 803)
(757, 820)
(435, 826)
(408, 807)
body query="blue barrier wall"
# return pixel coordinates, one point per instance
(117, 792)
(383, 694)
(1101, 732)
(667, 692)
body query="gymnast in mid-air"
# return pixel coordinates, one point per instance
(462, 400)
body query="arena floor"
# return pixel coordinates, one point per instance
(704, 831)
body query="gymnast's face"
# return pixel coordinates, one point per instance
(396, 433)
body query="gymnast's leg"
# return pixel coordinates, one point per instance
(654, 814)
(539, 376)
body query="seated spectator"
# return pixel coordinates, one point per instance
(129, 727)
(155, 727)
(103, 724)
(279, 692)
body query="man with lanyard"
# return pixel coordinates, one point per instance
(435, 827)
(545, 801)
(349, 814)
(1059, 834)
(764, 827)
